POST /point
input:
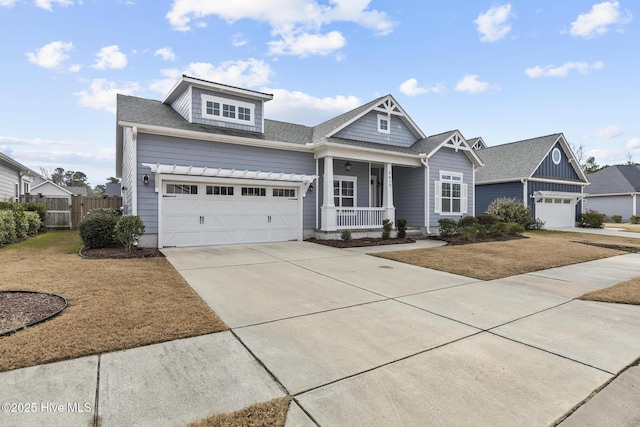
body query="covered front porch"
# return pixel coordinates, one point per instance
(357, 193)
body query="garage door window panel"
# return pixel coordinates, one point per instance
(181, 189)
(254, 191)
(219, 190)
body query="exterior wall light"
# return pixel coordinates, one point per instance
(145, 179)
(347, 166)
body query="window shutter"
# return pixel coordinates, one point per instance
(464, 202)
(437, 197)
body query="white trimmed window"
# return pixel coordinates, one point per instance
(450, 196)
(227, 110)
(344, 191)
(384, 124)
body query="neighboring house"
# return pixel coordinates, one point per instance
(615, 190)
(15, 178)
(113, 189)
(542, 172)
(205, 167)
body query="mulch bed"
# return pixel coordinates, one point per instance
(19, 309)
(358, 243)
(119, 252)
(455, 240)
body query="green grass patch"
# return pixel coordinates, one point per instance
(63, 241)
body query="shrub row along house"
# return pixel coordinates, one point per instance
(205, 167)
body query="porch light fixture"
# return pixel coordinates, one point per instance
(145, 179)
(347, 166)
(310, 187)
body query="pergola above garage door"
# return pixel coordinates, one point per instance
(212, 206)
(556, 209)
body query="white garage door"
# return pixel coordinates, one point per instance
(556, 212)
(199, 214)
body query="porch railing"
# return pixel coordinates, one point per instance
(354, 218)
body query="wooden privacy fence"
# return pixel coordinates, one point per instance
(68, 211)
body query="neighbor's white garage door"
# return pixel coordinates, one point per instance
(556, 212)
(197, 214)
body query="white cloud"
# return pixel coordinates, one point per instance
(101, 94)
(166, 54)
(51, 55)
(493, 25)
(308, 44)
(610, 131)
(411, 88)
(471, 84)
(249, 73)
(598, 20)
(110, 57)
(8, 3)
(239, 40)
(563, 70)
(289, 20)
(634, 144)
(47, 4)
(299, 107)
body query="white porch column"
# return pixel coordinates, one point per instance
(329, 214)
(387, 194)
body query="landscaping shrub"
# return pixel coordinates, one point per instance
(387, 226)
(498, 229)
(33, 222)
(401, 223)
(510, 210)
(467, 221)
(487, 219)
(20, 223)
(97, 231)
(7, 227)
(513, 228)
(535, 224)
(38, 208)
(345, 235)
(616, 218)
(634, 219)
(468, 233)
(448, 227)
(127, 230)
(592, 219)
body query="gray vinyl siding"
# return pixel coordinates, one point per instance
(487, 193)
(8, 179)
(551, 186)
(548, 169)
(447, 159)
(366, 129)
(612, 205)
(182, 104)
(186, 152)
(196, 112)
(409, 194)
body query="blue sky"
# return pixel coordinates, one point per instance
(505, 71)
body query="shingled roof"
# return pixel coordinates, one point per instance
(615, 179)
(514, 161)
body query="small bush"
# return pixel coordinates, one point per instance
(487, 219)
(592, 219)
(102, 212)
(510, 210)
(345, 235)
(448, 227)
(128, 229)
(535, 224)
(514, 229)
(468, 233)
(97, 231)
(387, 226)
(498, 229)
(7, 227)
(38, 208)
(616, 218)
(33, 222)
(401, 223)
(634, 219)
(467, 221)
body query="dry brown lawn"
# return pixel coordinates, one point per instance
(265, 414)
(112, 304)
(623, 293)
(634, 228)
(494, 260)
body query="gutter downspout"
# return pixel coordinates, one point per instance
(427, 217)
(525, 199)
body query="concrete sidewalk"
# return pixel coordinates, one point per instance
(360, 340)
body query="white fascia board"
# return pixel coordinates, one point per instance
(558, 181)
(365, 154)
(612, 194)
(469, 152)
(204, 136)
(186, 81)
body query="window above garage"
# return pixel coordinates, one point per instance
(227, 110)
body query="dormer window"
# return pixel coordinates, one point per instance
(227, 110)
(383, 124)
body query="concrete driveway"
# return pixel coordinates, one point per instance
(359, 340)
